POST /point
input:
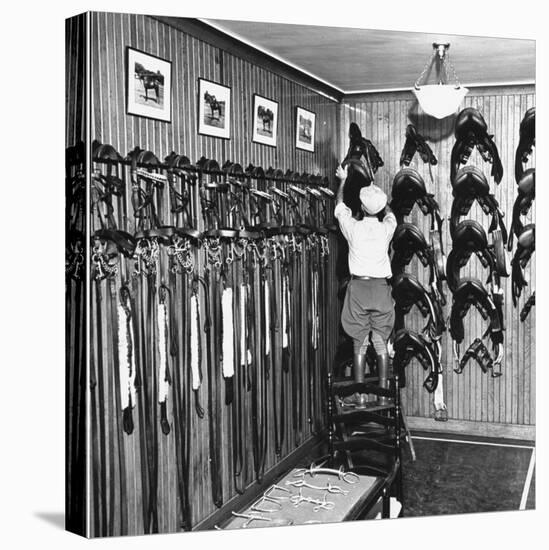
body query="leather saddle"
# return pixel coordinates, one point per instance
(471, 131)
(363, 160)
(526, 245)
(407, 292)
(409, 189)
(523, 203)
(470, 292)
(407, 345)
(469, 238)
(407, 241)
(415, 143)
(469, 185)
(527, 140)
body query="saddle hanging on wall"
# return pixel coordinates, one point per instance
(416, 143)
(469, 238)
(471, 292)
(408, 345)
(526, 245)
(470, 185)
(527, 141)
(523, 203)
(363, 160)
(407, 292)
(407, 241)
(471, 131)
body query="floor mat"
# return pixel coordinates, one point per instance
(450, 477)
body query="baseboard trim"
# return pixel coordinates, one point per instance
(468, 427)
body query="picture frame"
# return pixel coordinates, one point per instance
(148, 85)
(305, 129)
(265, 120)
(214, 109)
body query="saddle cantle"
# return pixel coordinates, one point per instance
(469, 238)
(407, 345)
(407, 241)
(527, 140)
(471, 131)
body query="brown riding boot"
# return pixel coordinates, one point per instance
(358, 400)
(383, 373)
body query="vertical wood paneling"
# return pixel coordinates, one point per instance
(470, 396)
(191, 59)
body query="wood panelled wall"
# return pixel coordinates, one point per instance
(75, 287)
(118, 460)
(383, 118)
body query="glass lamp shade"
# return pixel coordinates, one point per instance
(440, 100)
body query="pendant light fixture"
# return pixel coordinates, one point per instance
(442, 99)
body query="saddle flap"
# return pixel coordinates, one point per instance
(407, 291)
(407, 240)
(407, 345)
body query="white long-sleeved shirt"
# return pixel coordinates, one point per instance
(368, 242)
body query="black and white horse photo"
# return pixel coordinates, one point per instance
(214, 105)
(265, 120)
(152, 84)
(305, 129)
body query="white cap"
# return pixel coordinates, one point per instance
(373, 199)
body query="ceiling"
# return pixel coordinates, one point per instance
(361, 60)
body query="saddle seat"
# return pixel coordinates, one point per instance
(470, 182)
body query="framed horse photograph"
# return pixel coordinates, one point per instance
(305, 129)
(265, 120)
(214, 109)
(148, 85)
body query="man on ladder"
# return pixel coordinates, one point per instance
(368, 305)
